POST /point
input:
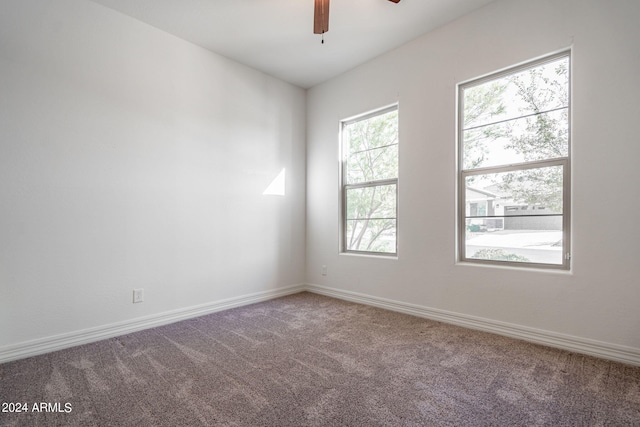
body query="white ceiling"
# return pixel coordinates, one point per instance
(276, 36)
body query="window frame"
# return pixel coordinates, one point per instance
(344, 187)
(565, 162)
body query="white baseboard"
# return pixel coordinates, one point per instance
(618, 353)
(59, 342)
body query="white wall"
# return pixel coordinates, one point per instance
(132, 159)
(600, 298)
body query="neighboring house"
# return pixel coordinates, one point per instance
(481, 207)
(488, 210)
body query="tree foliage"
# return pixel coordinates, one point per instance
(481, 104)
(545, 136)
(546, 132)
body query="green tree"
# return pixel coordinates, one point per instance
(482, 103)
(545, 135)
(546, 97)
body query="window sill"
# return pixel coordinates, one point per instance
(369, 255)
(558, 271)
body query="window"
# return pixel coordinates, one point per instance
(370, 182)
(514, 166)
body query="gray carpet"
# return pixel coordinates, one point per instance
(309, 360)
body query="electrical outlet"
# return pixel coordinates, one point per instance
(138, 295)
(324, 270)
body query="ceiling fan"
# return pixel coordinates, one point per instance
(321, 16)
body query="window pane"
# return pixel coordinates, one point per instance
(371, 219)
(515, 216)
(533, 238)
(535, 90)
(371, 148)
(515, 193)
(376, 202)
(369, 182)
(371, 235)
(540, 137)
(372, 165)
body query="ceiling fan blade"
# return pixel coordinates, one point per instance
(395, 1)
(321, 16)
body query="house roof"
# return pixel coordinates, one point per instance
(482, 193)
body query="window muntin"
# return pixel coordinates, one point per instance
(370, 182)
(514, 164)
